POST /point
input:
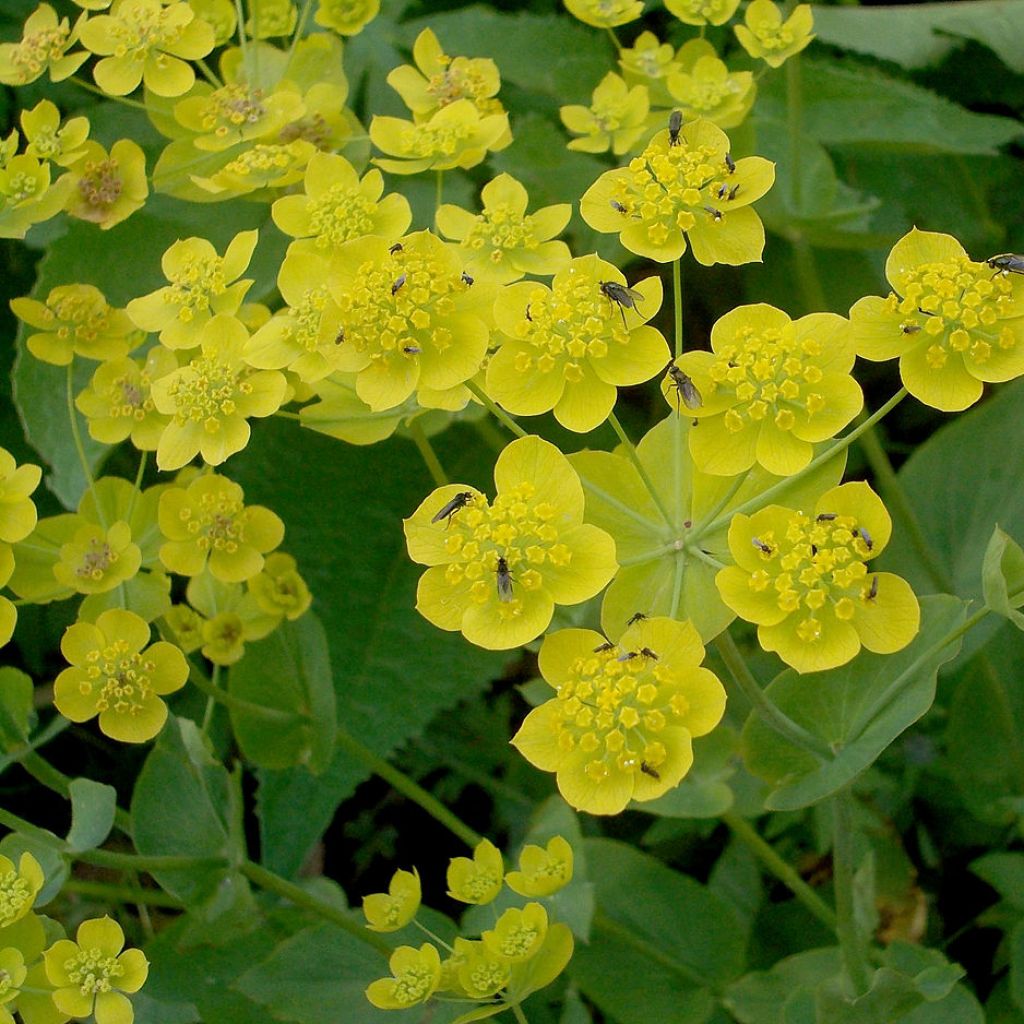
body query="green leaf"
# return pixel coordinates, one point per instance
(1002, 577)
(16, 708)
(182, 806)
(857, 710)
(289, 671)
(1005, 873)
(919, 36)
(705, 791)
(343, 508)
(643, 963)
(93, 805)
(759, 997)
(845, 104)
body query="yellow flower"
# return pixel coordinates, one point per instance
(766, 36)
(621, 724)
(8, 609)
(411, 319)
(605, 13)
(703, 12)
(346, 17)
(689, 189)
(19, 887)
(262, 166)
(92, 974)
(952, 322)
(220, 15)
(117, 674)
(803, 578)
(270, 19)
(615, 119)
(649, 62)
(702, 86)
(184, 625)
(336, 207)
(503, 243)
(456, 136)
(416, 973)
(208, 523)
(567, 347)
(146, 41)
(26, 195)
(306, 337)
(44, 44)
(769, 389)
(17, 510)
(75, 320)
(236, 112)
(230, 618)
(13, 974)
(438, 80)
(107, 188)
(518, 934)
(542, 871)
(340, 413)
(478, 973)
(279, 589)
(211, 398)
(393, 910)
(118, 402)
(477, 879)
(96, 560)
(202, 284)
(47, 140)
(498, 569)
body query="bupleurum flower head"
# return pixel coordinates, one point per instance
(236, 112)
(649, 62)
(542, 870)
(96, 560)
(768, 390)
(202, 284)
(689, 189)
(346, 17)
(210, 398)
(703, 12)
(953, 322)
(615, 119)
(271, 18)
(702, 86)
(804, 579)
(26, 193)
(499, 568)
(263, 165)
(605, 13)
(337, 206)
(766, 36)
(75, 320)
(476, 879)
(145, 40)
(43, 47)
(17, 510)
(503, 242)
(475, 972)
(279, 589)
(107, 188)
(13, 974)
(416, 973)
(92, 973)
(568, 347)
(411, 319)
(621, 723)
(208, 523)
(47, 139)
(115, 675)
(456, 136)
(518, 934)
(389, 911)
(118, 403)
(19, 887)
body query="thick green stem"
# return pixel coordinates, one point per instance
(765, 709)
(76, 436)
(301, 898)
(109, 893)
(499, 413)
(840, 445)
(427, 453)
(784, 872)
(517, 1012)
(853, 949)
(408, 788)
(639, 467)
(677, 293)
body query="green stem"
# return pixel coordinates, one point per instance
(853, 950)
(615, 39)
(109, 893)
(89, 87)
(677, 292)
(700, 527)
(517, 1012)
(232, 703)
(807, 276)
(896, 496)
(76, 436)
(300, 27)
(639, 467)
(438, 194)
(243, 42)
(211, 702)
(499, 413)
(771, 715)
(840, 445)
(426, 450)
(794, 122)
(783, 871)
(211, 75)
(137, 491)
(286, 415)
(412, 790)
(301, 898)
(50, 731)
(139, 862)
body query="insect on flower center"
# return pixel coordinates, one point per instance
(15, 894)
(340, 214)
(817, 563)
(953, 307)
(118, 678)
(92, 972)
